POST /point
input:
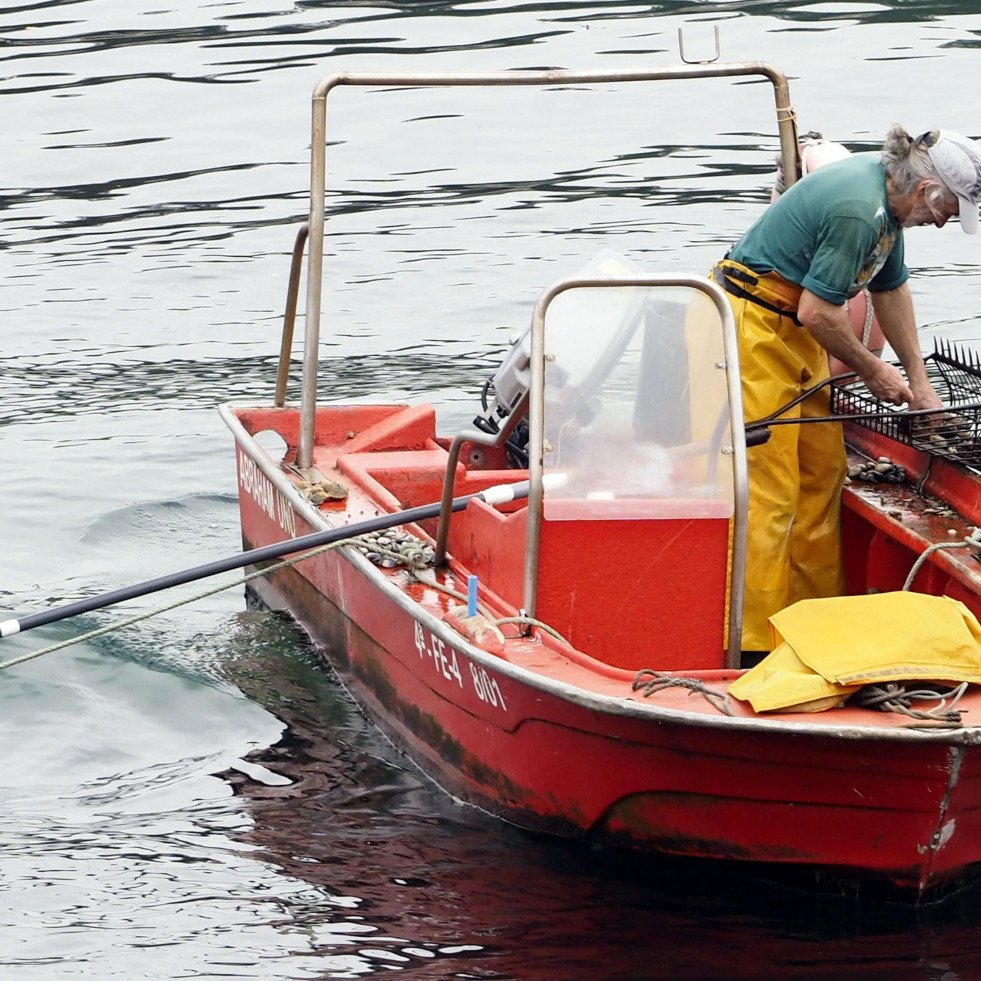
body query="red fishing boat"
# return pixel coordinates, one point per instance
(551, 628)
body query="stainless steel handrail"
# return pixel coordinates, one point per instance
(289, 315)
(536, 439)
(786, 122)
(449, 478)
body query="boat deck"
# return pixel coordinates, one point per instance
(387, 462)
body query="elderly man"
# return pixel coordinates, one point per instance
(829, 236)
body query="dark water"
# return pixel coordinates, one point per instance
(191, 796)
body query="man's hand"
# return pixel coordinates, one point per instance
(894, 308)
(886, 382)
(831, 328)
(924, 396)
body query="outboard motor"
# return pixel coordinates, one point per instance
(585, 338)
(503, 401)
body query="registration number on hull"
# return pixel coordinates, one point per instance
(444, 660)
(269, 499)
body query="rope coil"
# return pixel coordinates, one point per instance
(895, 697)
(653, 682)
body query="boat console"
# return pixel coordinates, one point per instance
(635, 415)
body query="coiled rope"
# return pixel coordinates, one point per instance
(897, 698)
(652, 682)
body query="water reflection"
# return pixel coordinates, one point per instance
(154, 173)
(67, 390)
(421, 875)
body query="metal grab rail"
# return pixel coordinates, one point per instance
(786, 122)
(289, 315)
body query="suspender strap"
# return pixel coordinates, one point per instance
(726, 277)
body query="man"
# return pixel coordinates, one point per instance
(788, 278)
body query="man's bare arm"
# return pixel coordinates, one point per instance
(894, 310)
(830, 327)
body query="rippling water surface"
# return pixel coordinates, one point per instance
(191, 796)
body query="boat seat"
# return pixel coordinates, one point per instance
(401, 479)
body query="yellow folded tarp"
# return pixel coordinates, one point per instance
(826, 649)
(781, 681)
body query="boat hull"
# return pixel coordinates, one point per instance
(549, 764)
(887, 806)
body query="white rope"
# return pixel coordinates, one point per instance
(973, 540)
(531, 621)
(170, 606)
(869, 313)
(430, 580)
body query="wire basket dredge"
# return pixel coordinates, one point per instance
(953, 432)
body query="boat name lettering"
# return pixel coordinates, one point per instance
(436, 649)
(260, 488)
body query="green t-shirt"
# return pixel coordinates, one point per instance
(831, 233)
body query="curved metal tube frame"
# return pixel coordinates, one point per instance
(786, 122)
(449, 478)
(289, 315)
(536, 449)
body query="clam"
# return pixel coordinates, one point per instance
(882, 470)
(388, 549)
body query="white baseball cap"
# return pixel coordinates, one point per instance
(957, 161)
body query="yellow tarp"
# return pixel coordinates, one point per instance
(826, 649)
(782, 681)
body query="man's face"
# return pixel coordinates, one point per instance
(923, 212)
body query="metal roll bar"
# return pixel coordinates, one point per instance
(786, 122)
(289, 316)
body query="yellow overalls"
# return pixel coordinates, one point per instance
(795, 478)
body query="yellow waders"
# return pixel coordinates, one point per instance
(795, 479)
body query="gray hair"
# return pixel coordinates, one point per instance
(907, 162)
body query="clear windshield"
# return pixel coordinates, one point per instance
(636, 406)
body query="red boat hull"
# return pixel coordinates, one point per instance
(885, 804)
